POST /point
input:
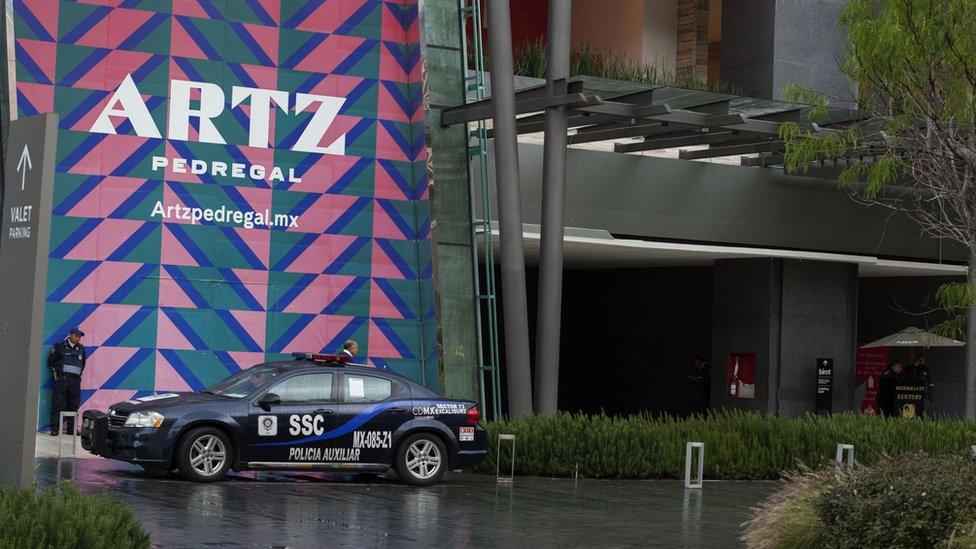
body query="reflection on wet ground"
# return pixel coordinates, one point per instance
(321, 510)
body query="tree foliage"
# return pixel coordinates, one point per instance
(914, 151)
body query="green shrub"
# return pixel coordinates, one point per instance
(912, 501)
(63, 517)
(738, 445)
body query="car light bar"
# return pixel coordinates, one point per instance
(323, 358)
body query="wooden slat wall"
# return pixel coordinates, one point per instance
(692, 55)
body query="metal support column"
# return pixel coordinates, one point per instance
(518, 372)
(548, 324)
(484, 283)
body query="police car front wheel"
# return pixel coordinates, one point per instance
(421, 459)
(204, 454)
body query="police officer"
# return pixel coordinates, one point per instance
(66, 361)
(350, 348)
(886, 389)
(701, 383)
(920, 372)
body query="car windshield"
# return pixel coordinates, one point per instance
(242, 383)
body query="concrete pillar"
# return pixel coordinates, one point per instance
(748, 28)
(548, 319)
(661, 34)
(518, 372)
(818, 320)
(767, 44)
(789, 313)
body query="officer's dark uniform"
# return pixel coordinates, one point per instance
(886, 392)
(701, 387)
(66, 362)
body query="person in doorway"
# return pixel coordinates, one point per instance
(701, 384)
(922, 374)
(66, 362)
(886, 388)
(350, 348)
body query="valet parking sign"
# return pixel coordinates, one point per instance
(22, 198)
(28, 183)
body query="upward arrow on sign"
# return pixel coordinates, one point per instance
(23, 165)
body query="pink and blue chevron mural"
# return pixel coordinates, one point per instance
(236, 180)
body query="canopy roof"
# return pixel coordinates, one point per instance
(643, 117)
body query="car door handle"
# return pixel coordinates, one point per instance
(398, 410)
(323, 411)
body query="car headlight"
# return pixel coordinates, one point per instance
(144, 419)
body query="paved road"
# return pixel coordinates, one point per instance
(470, 510)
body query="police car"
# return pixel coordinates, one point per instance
(314, 412)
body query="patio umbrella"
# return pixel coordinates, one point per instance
(914, 337)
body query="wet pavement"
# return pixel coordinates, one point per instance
(465, 509)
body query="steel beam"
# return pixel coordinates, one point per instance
(697, 138)
(786, 115)
(518, 370)
(616, 112)
(536, 123)
(553, 214)
(750, 125)
(645, 124)
(719, 120)
(763, 160)
(687, 118)
(526, 101)
(615, 132)
(778, 157)
(523, 106)
(731, 150)
(625, 111)
(639, 111)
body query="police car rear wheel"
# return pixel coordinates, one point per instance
(204, 454)
(421, 459)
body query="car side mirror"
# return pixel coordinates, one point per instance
(269, 400)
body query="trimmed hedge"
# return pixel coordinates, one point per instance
(738, 445)
(63, 517)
